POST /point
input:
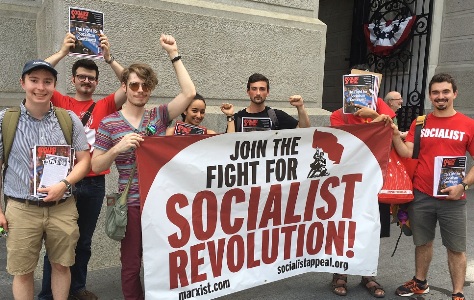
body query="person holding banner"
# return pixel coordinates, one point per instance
(118, 136)
(446, 133)
(90, 191)
(257, 116)
(364, 115)
(194, 115)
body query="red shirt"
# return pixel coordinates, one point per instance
(103, 108)
(338, 118)
(451, 136)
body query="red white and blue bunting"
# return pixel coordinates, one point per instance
(385, 37)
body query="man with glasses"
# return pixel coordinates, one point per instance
(394, 100)
(118, 136)
(90, 191)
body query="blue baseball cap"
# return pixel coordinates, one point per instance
(38, 64)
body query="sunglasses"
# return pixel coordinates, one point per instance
(83, 78)
(134, 86)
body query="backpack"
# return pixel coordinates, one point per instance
(10, 123)
(271, 114)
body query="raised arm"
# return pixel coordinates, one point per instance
(228, 110)
(188, 91)
(120, 96)
(68, 42)
(108, 58)
(303, 118)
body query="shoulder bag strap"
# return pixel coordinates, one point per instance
(127, 187)
(420, 123)
(88, 114)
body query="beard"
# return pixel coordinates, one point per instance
(137, 104)
(257, 100)
(441, 105)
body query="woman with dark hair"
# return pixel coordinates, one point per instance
(194, 114)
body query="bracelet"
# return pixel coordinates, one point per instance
(176, 58)
(67, 183)
(230, 118)
(110, 60)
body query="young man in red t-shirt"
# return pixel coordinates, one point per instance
(90, 191)
(446, 133)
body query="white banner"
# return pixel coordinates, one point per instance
(228, 212)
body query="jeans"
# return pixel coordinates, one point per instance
(89, 194)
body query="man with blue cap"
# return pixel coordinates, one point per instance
(28, 219)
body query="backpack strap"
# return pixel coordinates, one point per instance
(271, 114)
(273, 117)
(9, 125)
(237, 124)
(420, 123)
(65, 122)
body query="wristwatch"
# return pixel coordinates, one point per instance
(111, 59)
(464, 185)
(230, 118)
(67, 183)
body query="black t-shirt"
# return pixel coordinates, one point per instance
(261, 121)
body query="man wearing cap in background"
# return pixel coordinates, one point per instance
(28, 219)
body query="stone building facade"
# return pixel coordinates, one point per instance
(303, 46)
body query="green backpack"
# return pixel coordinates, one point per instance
(10, 123)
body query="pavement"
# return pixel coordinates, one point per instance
(392, 272)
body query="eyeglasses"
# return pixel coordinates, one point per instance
(83, 78)
(397, 99)
(134, 86)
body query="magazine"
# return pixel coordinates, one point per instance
(86, 25)
(448, 171)
(51, 164)
(359, 90)
(182, 128)
(255, 124)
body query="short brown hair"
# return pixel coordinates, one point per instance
(256, 77)
(443, 77)
(144, 72)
